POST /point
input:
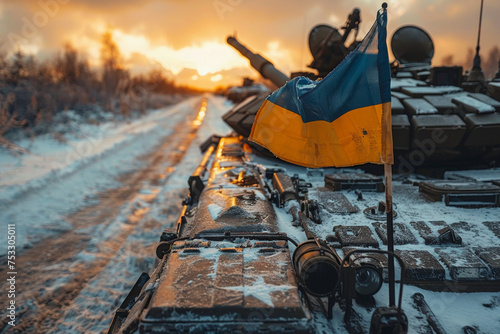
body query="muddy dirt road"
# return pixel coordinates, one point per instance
(73, 275)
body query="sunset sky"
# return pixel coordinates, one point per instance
(187, 37)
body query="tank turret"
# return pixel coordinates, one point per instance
(424, 98)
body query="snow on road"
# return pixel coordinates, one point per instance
(89, 212)
(67, 174)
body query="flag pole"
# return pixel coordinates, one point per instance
(390, 231)
(388, 158)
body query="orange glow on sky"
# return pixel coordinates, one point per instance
(187, 38)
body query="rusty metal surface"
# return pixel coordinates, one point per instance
(226, 281)
(233, 200)
(357, 236)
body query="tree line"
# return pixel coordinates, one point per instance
(489, 61)
(32, 92)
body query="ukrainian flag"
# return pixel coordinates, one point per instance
(342, 120)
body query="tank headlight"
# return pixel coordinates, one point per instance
(368, 280)
(317, 268)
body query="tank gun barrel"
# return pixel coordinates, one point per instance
(261, 64)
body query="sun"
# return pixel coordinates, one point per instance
(208, 58)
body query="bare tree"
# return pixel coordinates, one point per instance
(114, 76)
(4, 70)
(17, 70)
(490, 64)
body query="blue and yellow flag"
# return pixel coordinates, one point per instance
(342, 120)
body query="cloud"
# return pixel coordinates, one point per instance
(191, 34)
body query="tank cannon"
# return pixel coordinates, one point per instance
(261, 64)
(327, 46)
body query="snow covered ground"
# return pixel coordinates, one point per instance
(88, 212)
(57, 178)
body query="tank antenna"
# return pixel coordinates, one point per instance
(479, 29)
(476, 74)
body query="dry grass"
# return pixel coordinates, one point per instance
(7, 121)
(32, 94)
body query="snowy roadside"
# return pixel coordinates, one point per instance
(78, 291)
(38, 189)
(136, 253)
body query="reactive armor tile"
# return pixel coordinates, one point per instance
(396, 106)
(354, 181)
(442, 103)
(491, 256)
(462, 193)
(494, 227)
(334, 202)
(486, 99)
(421, 91)
(399, 84)
(445, 131)
(234, 209)
(401, 132)
(355, 236)
(402, 234)
(482, 130)
(468, 104)
(419, 107)
(477, 175)
(462, 263)
(399, 96)
(421, 265)
(446, 75)
(494, 90)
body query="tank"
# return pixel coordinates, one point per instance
(249, 88)
(264, 246)
(425, 99)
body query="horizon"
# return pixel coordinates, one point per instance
(187, 39)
